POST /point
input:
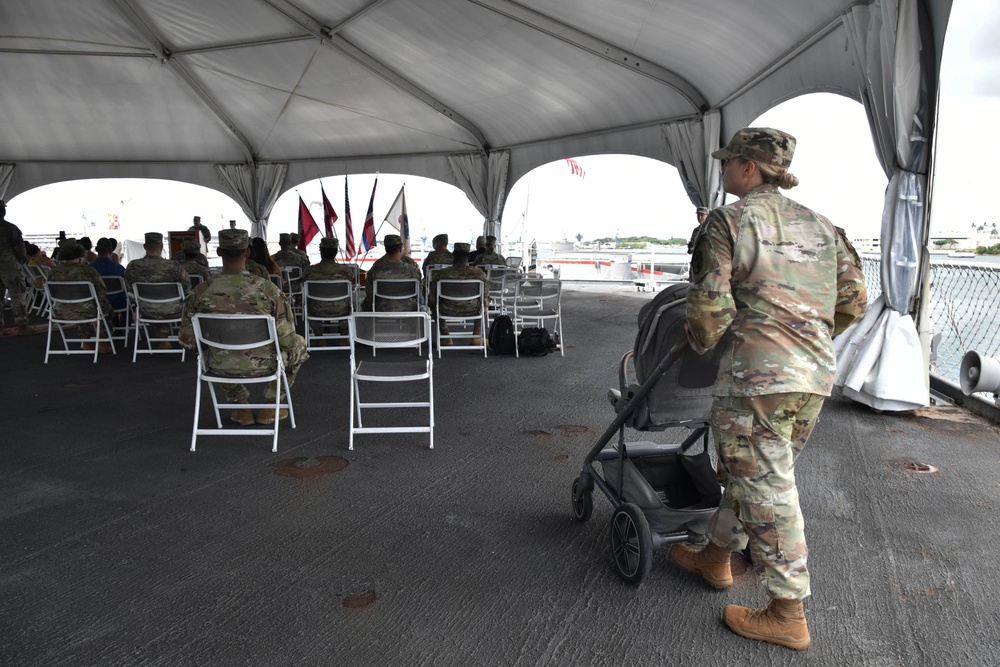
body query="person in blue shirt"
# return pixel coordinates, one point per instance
(107, 266)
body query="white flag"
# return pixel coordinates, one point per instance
(397, 219)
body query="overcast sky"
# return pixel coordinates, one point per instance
(834, 160)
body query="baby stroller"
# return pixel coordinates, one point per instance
(661, 494)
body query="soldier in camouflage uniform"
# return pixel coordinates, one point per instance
(772, 282)
(205, 232)
(70, 269)
(237, 291)
(490, 255)
(190, 263)
(153, 268)
(701, 213)
(390, 266)
(328, 269)
(295, 247)
(287, 256)
(12, 259)
(459, 271)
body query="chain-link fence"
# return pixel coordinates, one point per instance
(965, 308)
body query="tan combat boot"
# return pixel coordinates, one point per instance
(710, 561)
(783, 622)
(266, 416)
(242, 417)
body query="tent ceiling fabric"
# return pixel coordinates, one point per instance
(142, 88)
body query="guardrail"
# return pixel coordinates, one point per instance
(965, 309)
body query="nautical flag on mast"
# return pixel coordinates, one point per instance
(307, 225)
(329, 215)
(368, 233)
(349, 250)
(575, 167)
(398, 220)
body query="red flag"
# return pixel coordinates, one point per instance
(349, 250)
(329, 215)
(575, 167)
(368, 233)
(307, 225)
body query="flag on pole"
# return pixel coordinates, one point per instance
(349, 250)
(397, 219)
(368, 233)
(329, 215)
(308, 228)
(575, 168)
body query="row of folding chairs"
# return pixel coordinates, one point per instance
(388, 332)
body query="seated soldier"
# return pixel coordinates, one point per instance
(459, 271)
(440, 254)
(328, 269)
(190, 263)
(153, 268)
(71, 268)
(237, 291)
(390, 267)
(490, 254)
(288, 256)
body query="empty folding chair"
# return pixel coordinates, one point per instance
(217, 335)
(319, 299)
(74, 305)
(38, 304)
(463, 330)
(385, 331)
(539, 302)
(158, 310)
(121, 318)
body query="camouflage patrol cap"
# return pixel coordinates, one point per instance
(461, 248)
(284, 238)
(702, 210)
(192, 246)
(329, 242)
(440, 238)
(760, 144)
(392, 239)
(235, 239)
(70, 249)
(155, 238)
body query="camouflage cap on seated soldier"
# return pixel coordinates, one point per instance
(153, 238)
(392, 239)
(284, 238)
(233, 239)
(70, 249)
(329, 243)
(440, 238)
(192, 246)
(760, 144)
(462, 248)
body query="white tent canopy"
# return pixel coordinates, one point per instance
(252, 97)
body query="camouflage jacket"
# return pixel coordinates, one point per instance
(778, 281)
(285, 258)
(194, 267)
(64, 273)
(490, 258)
(241, 292)
(437, 257)
(329, 269)
(464, 272)
(257, 269)
(11, 245)
(389, 269)
(157, 270)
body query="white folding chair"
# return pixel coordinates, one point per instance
(278, 282)
(38, 303)
(319, 293)
(122, 318)
(222, 333)
(498, 280)
(157, 296)
(428, 278)
(69, 294)
(537, 302)
(396, 289)
(456, 293)
(385, 331)
(292, 277)
(195, 279)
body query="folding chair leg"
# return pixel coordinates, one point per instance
(197, 411)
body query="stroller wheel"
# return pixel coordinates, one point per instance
(631, 543)
(583, 502)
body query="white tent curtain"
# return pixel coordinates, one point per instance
(255, 188)
(690, 144)
(6, 174)
(484, 182)
(881, 361)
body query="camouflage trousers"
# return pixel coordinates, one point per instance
(758, 439)
(293, 359)
(12, 281)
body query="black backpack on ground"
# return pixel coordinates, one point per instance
(501, 336)
(535, 342)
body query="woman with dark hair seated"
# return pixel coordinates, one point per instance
(260, 254)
